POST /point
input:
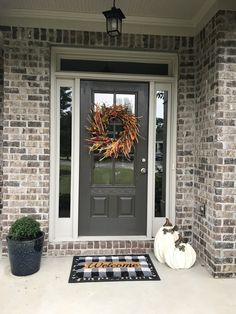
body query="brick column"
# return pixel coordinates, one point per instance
(215, 166)
(1, 126)
(25, 129)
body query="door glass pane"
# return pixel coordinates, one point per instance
(114, 128)
(160, 145)
(103, 98)
(102, 171)
(127, 100)
(65, 151)
(114, 171)
(124, 171)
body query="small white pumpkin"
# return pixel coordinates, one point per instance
(180, 255)
(165, 237)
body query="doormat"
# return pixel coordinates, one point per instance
(112, 268)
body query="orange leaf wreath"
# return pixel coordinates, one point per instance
(99, 121)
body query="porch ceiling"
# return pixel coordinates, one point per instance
(167, 17)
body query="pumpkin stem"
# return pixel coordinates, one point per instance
(171, 230)
(175, 228)
(179, 241)
(167, 223)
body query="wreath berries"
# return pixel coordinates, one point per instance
(123, 142)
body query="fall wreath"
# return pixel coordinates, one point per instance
(123, 142)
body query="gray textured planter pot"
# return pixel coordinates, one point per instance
(25, 256)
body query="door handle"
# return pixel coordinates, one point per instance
(143, 170)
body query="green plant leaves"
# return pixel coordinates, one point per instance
(25, 228)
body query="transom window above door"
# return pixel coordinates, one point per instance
(114, 67)
(114, 61)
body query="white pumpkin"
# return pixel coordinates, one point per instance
(165, 237)
(180, 255)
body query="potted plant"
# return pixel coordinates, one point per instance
(25, 245)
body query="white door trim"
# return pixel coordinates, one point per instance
(157, 222)
(66, 229)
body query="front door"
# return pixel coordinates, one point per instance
(113, 192)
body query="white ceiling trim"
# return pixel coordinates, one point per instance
(59, 15)
(56, 15)
(94, 22)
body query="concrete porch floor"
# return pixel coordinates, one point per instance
(179, 292)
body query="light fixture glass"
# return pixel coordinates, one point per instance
(114, 21)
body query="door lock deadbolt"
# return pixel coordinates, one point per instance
(143, 170)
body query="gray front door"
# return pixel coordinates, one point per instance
(113, 192)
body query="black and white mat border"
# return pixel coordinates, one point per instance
(74, 279)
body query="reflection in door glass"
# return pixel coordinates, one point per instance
(160, 148)
(65, 151)
(104, 98)
(126, 100)
(124, 170)
(114, 128)
(102, 172)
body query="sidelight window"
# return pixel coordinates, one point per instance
(161, 153)
(65, 151)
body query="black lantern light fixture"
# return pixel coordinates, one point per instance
(114, 19)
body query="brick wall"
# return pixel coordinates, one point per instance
(26, 124)
(215, 148)
(25, 129)
(185, 140)
(1, 126)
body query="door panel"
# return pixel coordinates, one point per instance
(113, 192)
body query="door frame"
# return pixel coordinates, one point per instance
(66, 229)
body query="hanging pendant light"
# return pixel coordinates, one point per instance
(114, 20)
